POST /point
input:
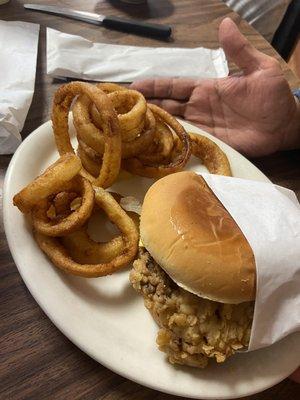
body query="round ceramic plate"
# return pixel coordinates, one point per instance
(106, 318)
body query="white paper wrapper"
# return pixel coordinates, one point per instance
(18, 54)
(269, 217)
(75, 57)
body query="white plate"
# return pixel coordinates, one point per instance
(106, 318)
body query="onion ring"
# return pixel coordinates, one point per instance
(143, 141)
(53, 180)
(92, 136)
(134, 215)
(214, 159)
(58, 254)
(111, 131)
(91, 165)
(109, 87)
(162, 146)
(74, 220)
(62, 202)
(136, 167)
(90, 152)
(61, 205)
(131, 108)
(84, 250)
(79, 244)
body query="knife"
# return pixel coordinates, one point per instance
(121, 24)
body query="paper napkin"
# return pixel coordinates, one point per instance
(18, 54)
(269, 217)
(75, 57)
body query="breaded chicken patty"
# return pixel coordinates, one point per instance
(192, 329)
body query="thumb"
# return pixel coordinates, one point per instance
(239, 50)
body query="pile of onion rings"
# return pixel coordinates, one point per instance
(116, 129)
(111, 158)
(60, 203)
(153, 142)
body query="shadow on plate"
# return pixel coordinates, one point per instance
(87, 290)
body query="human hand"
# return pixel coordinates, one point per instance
(254, 112)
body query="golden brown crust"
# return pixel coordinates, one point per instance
(196, 241)
(52, 180)
(192, 329)
(71, 222)
(62, 101)
(60, 257)
(137, 167)
(210, 154)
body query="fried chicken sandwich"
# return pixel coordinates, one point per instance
(195, 271)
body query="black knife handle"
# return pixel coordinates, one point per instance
(138, 27)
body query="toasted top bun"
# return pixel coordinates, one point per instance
(194, 239)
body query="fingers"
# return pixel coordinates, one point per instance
(173, 107)
(239, 50)
(168, 93)
(166, 88)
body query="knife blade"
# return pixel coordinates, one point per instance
(109, 21)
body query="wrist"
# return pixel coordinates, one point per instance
(292, 135)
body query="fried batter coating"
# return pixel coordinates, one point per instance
(192, 329)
